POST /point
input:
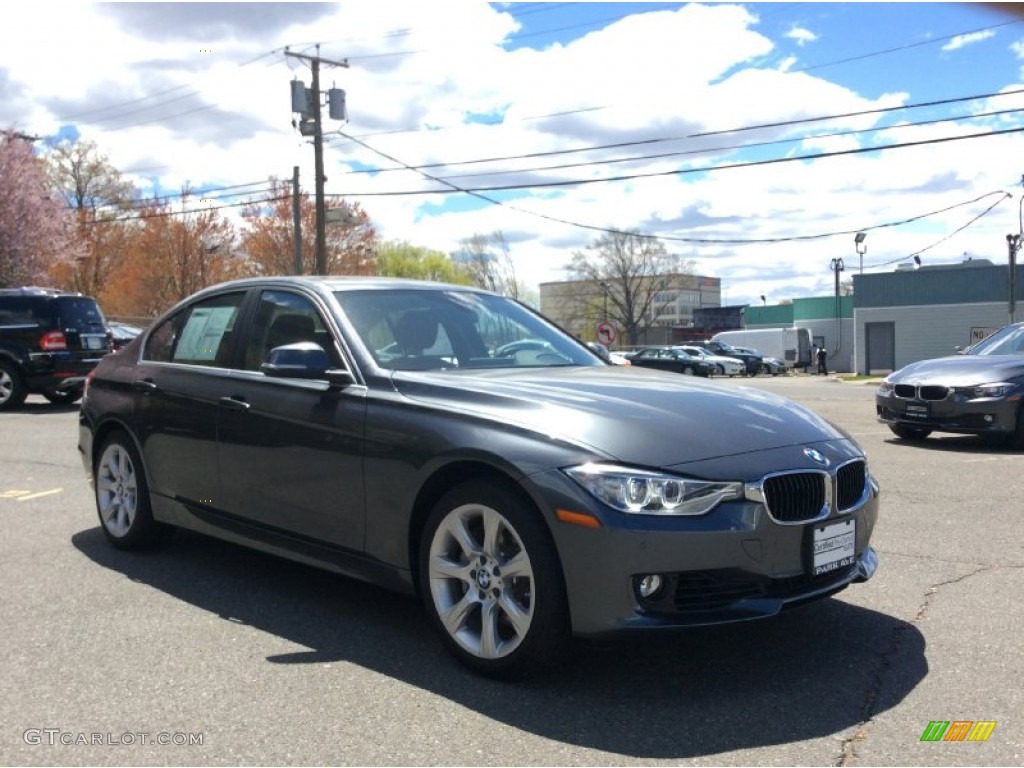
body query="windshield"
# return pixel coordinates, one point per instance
(441, 329)
(1008, 341)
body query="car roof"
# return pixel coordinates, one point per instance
(345, 283)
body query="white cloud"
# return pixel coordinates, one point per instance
(801, 35)
(962, 41)
(418, 69)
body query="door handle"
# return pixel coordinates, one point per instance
(145, 385)
(235, 403)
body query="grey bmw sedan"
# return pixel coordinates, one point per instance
(397, 432)
(979, 392)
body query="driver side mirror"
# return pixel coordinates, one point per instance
(304, 360)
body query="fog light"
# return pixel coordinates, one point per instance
(649, 585)
(989, 418)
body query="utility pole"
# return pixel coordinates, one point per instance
(297, 220)
(318, 151)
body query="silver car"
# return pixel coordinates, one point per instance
(724, 366)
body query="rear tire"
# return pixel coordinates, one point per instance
(12, 389)
(122, 496)
(491, 581)
(909, 433)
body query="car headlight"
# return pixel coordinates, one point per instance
(996, 389)
(641, 492)
(886, 387)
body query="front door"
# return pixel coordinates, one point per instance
(291, 450)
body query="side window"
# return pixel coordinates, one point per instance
(200, 334)
(284, 318)
(19, 310)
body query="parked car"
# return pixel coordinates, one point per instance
(671, 359)
(753, 362)
(524, 503)
(770, 365)
(723, 366)
(49, 341)
(978, 392)
(619, 358)
(121, 333)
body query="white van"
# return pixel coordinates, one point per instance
(791, 345)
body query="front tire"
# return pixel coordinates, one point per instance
(1017, 438)
(687, 370)
(909, 433)
(63, 397)
(491, 582)
(12, 389)
(122, 496)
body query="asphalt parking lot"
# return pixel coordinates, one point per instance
(233, 657)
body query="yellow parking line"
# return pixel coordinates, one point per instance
(40, 494)
(13, 494)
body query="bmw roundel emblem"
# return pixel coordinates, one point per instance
(816, 456)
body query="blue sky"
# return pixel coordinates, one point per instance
(533, 96)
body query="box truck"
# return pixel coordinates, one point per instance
(791, 345)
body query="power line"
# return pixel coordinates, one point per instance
(674, 172)
(670, 238)
(705, 134)
(682, 153)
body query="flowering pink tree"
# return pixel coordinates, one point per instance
(34, 226)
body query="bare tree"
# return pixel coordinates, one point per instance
(625, 271)
(488, 260)
(98, 197)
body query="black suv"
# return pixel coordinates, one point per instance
(49, 341)
(754, 363)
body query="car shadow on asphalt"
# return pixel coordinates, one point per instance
(954, 443)
(812, 672)
(44, 408)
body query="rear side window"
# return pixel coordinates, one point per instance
(80, 313)
(200, 334)
(21, 310)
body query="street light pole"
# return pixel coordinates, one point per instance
(1013, 245)
(861, 247)
(837, 267)
(604, 287)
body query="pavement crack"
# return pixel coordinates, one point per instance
(848, 752)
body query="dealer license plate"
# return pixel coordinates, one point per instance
(834, 546)
(917, 410)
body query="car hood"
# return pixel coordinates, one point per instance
(633, 415)
(961, 370)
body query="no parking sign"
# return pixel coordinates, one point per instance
(606, 334)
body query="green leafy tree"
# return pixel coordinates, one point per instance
(397, 258)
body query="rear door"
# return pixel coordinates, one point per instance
(179, 384)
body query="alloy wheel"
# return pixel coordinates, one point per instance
(481, 581)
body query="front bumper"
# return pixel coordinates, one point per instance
(973, 417)
(734, 564)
